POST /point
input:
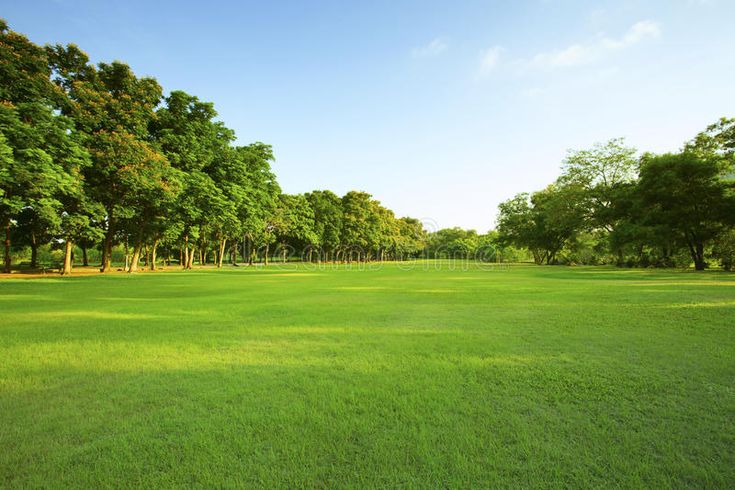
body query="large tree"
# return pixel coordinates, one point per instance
(39, 151)
(597, 173)
(685, 193)
(113, 109)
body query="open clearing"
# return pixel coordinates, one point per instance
(275, 377)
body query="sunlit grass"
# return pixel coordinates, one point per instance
(406, 375)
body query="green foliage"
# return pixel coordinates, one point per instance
(328, 219)
(544, 222)
(90, 152)
(684, 193)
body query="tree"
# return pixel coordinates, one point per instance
(37, 147)
(328, 220)
(295, 222)
(452, 243)
(597, 173)
(259, 205)
(717, 139)
(113, 109)
(684, 193)
(358, 227)
(543, 222)
(411, 238)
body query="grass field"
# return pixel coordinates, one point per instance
(528, 376)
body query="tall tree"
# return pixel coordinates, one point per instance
(113, 109)
(597, 173)
(257, 214)
(38, 148)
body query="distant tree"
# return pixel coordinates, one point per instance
(387, 231)
(452, 243)
(543, 222)
(328, 220)
(412, 238)
(295, 222)
(359, 228)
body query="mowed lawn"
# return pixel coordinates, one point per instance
(430, 377)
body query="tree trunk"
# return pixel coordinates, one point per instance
(152, 265)
(699, 263)
(136, 257)
(222, 245)
(68, 247)
(85, 258)
(267, 246)
(107, 252)
(190, 262)
(34, 251)
(7, 247)
(185, 252)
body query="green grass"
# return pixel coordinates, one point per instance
(528, 376)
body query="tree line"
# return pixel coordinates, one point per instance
(93, 157)
(610, 206)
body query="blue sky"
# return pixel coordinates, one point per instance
(441, 110)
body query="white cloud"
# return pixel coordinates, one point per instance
(576, 54)
(434, 48)
(579, 54)
(637, 33)
(489, 59)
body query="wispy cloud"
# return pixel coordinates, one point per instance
(489, 59)
(583, 53)
(434, 48)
